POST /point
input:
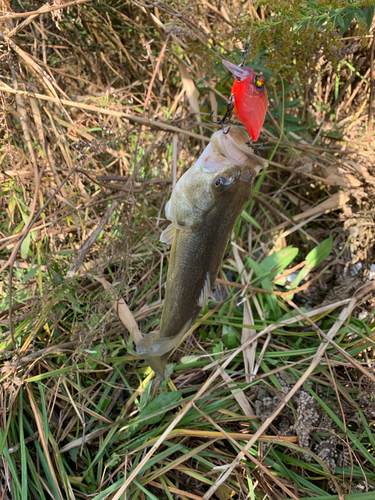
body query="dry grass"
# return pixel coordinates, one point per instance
(104, 105)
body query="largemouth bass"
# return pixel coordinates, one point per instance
(203, 209)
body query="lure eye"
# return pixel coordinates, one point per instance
(219, 183)
(260, 82)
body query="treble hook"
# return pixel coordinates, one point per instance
(245, 51)
(227, 116)
(256, 147)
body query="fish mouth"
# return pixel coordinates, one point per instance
(232, 146)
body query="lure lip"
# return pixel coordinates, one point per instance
(241, 73)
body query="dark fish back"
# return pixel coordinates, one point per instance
(193, 255)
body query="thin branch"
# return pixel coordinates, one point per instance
(110, 112)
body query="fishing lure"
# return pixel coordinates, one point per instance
(249, 98)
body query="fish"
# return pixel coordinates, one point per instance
(203, 210)
(249, 96)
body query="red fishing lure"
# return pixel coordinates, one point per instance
(250, 98)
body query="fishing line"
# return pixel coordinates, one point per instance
(245, 51)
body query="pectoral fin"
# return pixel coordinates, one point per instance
(168, 210)
(168, 234)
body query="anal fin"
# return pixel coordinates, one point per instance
(205, 293)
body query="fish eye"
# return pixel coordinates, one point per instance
(260, 82)
(219, 183)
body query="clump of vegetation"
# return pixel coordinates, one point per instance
(294, 36)
(104, 105)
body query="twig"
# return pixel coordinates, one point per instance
(43, 10)
(91, 240)
(214, 9)
(209, 434)
(149, 95)
(56, 349)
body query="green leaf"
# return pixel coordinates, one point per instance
(24, 472)
(73, 454)
(267, 285)
(320, 23)
(347, 22)
(250, 219)
(203, 333)
(359, 14)
(229, 337)
(313, 259)
(319, 253)
(293, 314)
(146, 396)
(44, 409)
(334, 134)
(148, 494)
(294, 103)
(31, 273)
(95, 353)
(368, 12)
(340, 21)
(185, 360)
(218, 349)
(151, 413)
(11, 204)
(277, 262)
(160, 402)
(76, 306)
(25, 216)
(25, 246)
(19, 228)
